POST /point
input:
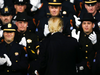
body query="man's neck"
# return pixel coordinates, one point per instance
(8, 42)
(21, 31)
(94, 13)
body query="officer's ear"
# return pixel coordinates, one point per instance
(93, 25)
(86, 6)
(15, 6)
(60, 8)
(16, 23)
(25, 6)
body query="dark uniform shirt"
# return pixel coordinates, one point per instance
(17, 55)
(31, 40)
(88, 49)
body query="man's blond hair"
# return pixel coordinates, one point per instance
(55, 24)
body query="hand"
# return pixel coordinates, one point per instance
(1, 33)
(77, 21)
(2, 61)
(93, 38)
(71, 1)
(74, 35)
(33, 8)
(9, 63)
(23, 42)
(36, 72)
(46, 30)
(36, 3)
(1, 4)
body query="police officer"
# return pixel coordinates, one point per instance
(5, 17)
(89, 41)
(54, 8)
(20, 6)
(24, 36)
(58, 53)
(90, 7)
(13, 60)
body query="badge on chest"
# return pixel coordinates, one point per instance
(16, 53)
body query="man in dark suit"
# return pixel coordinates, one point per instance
(58, 53)
(13, 58)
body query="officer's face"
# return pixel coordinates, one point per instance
(20, 8)
(87, 26)
(55, 10)
(6, 19)
(9, 36)
(90, 9)
(22, 26)
(98, 5)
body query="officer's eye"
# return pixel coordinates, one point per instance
(20, 22)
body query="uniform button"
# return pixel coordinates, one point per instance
(29, 30)
(86, 45)
(7, 70)
(16, 42)
(23, 34)
(85, 35)
(16, 60)
(62, 16)
(29, 47)
(86, 57)
(86, 51)
(13, 70)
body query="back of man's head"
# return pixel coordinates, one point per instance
(55, 24)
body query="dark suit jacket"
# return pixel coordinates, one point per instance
(58, 55)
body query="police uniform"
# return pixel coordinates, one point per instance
(58, 55)
(96, 16)
(31, 22)
(73, 8)
(88, 49)
(30, 38)
(96, 65)
(16, 53)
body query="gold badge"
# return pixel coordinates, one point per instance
(9, 25)
(16, 53)
(54, 0)
(64, 12)
(6, 9)
(29, 41)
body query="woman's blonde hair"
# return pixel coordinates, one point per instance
(55, 24)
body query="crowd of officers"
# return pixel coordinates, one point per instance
(49, 37)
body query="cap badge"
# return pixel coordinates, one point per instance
(6, 9)
(9, 25)
(54, 0)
